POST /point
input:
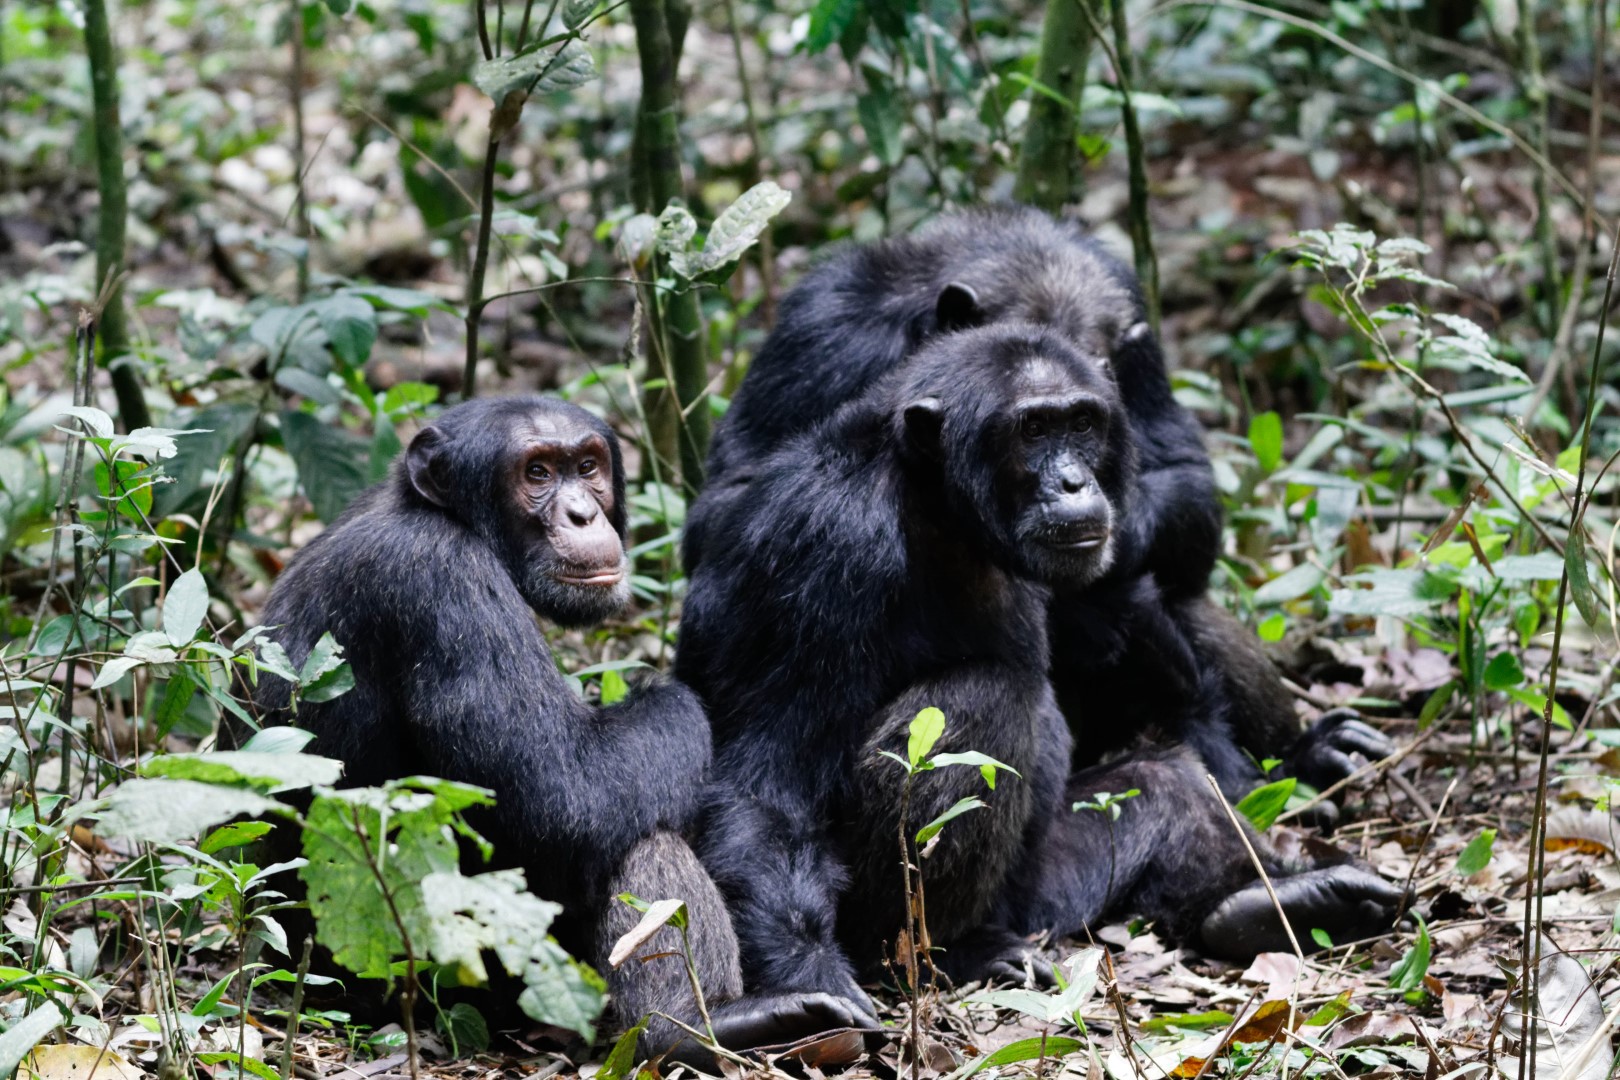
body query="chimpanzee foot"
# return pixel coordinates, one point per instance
(1328, 751)
(994, 954)
(1347, 902)
(774, 1020)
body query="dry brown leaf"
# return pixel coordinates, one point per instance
(1188, 1069)
(1267, 1022)
(652, 921)
(1571, 828)
(1279, 971)
(76, 1061)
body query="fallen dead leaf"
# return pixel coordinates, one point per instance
(76, 1061)
(1279, 971)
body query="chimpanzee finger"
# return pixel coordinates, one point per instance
(1323, 815)
(1323, 766)
(1355, 737)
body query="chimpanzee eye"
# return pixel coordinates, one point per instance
(537, 471)
(1082, 424)
(587, 467)
(1034, 428)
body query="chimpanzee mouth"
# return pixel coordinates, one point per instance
(1076, 541)
(605, 577)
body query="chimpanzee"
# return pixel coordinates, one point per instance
(1142, 647)
(897, 555)
(430, 581)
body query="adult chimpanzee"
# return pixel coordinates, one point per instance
(898, 555)
(1140, 648)
(431, 581)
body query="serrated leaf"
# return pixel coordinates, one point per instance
(1262, 805)
(166, 811)
(185, 607)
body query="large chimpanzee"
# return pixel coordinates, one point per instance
(899, 555)
(1142, 648)
(430, 582)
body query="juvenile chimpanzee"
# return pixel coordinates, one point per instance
(430, 581)
(1141, 647)
(899, 555)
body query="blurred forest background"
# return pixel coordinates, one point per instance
(245, 250)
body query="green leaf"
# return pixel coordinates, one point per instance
(1580, 586)
(1393, 592)
(1435, 703)
(1408, 973)
(351, 327)
(169, 811)
(467, 1028)
(883, 121)
(269, 772)
(25, 1034)
(1477, 854)
(574, 15)
(332, 463)
(1052, 1046)
(115, 669)
(1262, 805)
(732, 233)
(234, 835)
(185, 607)
(614, 688)
(1299, 581)
(931, 830)
(561, 991)
(467, 916)
(1272, 627)
(134, 489)
(986, 764)
(1266, 440)
(1204, 1021)
(547, 69)
(96, 422)
(623, 1056)
(1503, 672)
(926, 728)
(1321, 937)
(828, 21)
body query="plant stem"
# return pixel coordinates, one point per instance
(1047, 171)
(475, 281)
(293, 1015)
(911, 967)
(111, 214)
(295, 91)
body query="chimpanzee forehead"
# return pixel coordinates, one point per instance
(1045, 376)
(556, 432)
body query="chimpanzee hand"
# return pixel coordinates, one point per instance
(1322, 756)
(771, 1019)
(994, 954)
(1349, 903)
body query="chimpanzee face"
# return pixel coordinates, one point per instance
(574, 569)
(1056, 448)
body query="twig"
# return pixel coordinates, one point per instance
(1417, 857)
(1265, 879)
(1366, 770)
(297, 1005)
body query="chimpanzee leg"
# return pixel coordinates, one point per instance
(1173, 856)
(1009, 715)
(655, 980)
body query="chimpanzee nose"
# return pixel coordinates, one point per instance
(1073, 483)
(582, 511)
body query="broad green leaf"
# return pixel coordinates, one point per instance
(185, 607)
(561, 991)
(163, 811)
(733, 232)
(1266, 440)
(828, 21)
(1262, 805)
(542, 70)
(1273, 627)
(1477, 854)
(234, 835)
(134, 490)
(1289, 585)
(622, 1059)
(21, 1037)
(1393, 592)
(1436, 702)
(614, 688)
(351, 327)
(283, 739)
(883, 121)
(332, 463)
(468, 916)
(115, 669)
(1580, 586)
(270, 772)
(307, 384)
(931, 830)
(98, 423)
(1052, 1046)
(574, 15)
(1204, 1021)
(1503, 672)
(926, 728)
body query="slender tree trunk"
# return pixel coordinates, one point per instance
(679, 352)
(1048, 174)
(109, 137)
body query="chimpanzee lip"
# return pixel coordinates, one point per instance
(1078, 541)
(611, 576)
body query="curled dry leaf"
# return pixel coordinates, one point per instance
(654, 919)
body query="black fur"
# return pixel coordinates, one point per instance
(1140, 651)
(875, 568)
(431, 582)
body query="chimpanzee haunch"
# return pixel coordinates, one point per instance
(1141, 648)
(899, 555)
(431, 581)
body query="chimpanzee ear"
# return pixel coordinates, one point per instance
(925, 424)
(422, 463)
(957, 308)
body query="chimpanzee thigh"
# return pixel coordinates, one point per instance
(1007, 713)
(663, 867)
(1171, 855)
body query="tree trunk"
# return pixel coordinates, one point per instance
(114, 209)
(1048, 174)
(680, 347)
